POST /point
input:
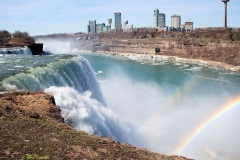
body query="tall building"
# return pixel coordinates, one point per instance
(118, 20)
(110, 22)
(91, 27)
(159, 19)
(175, 21)
(189, 26)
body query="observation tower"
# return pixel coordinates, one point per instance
(110, 22)
(225, 13)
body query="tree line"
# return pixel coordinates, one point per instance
(6, 35)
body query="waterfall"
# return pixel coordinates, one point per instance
(76, 90)
(16, 50)
(75, 72)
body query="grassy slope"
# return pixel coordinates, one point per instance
(21, 135)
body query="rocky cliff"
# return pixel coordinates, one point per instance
(31, 127)
(32, 104)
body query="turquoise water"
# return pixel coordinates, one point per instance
(164, 102)
(168, 76)
(148, 102)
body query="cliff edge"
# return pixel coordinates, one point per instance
(31, 127)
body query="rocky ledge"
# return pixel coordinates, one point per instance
(33, 104)
(31, 127)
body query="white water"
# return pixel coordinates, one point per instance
(55, 46)
(16, 50)
(160, 114)
(88, 114)
(160, 126)
(76, 90)
(135, 112)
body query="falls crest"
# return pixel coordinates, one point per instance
(16, 50)
(74, 72)
(76, 90)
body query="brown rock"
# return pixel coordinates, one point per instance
(33, 104)
(34, 115)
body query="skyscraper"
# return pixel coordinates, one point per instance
(91, 27)
(118, 20)
(175, 21)
(158, 19)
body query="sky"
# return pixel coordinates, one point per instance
(41, 17)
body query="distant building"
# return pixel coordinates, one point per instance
(158, 19)
(189, 26)
(106, 28)
(124, 24)
(99, 27)
(91, 28)
(118, 20)
(175, 21)
(110, 22)
(129, 27)
(182, 25)
(102, 28)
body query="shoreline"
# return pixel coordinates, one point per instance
(222, 65)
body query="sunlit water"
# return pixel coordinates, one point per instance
(164, 101)
(147, 102)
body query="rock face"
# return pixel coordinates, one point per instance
(36, 48)
(32, 104)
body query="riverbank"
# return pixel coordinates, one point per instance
(222, 65)
(212, 52)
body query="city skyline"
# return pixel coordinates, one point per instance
(47, 17)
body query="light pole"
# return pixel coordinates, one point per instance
(225, 13)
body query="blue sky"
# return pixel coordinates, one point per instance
(39, 17)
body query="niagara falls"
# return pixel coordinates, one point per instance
(167, 107)
(157, 80)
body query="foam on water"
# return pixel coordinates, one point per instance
(88, 114)
(151, 114)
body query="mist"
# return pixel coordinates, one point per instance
(55, 46)
(159, 121)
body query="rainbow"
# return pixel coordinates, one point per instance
(234, 102)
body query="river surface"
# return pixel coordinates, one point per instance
(165, 106)
(173, 108)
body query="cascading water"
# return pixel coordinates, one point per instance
(75, 88)
(159, 103)
(16, 50)
(74, 72)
